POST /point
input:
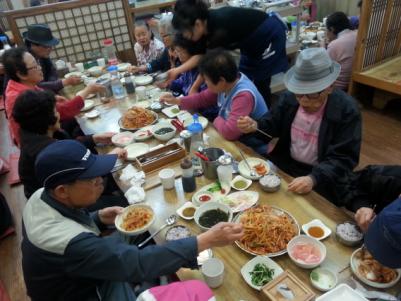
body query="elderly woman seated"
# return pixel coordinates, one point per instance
(232, 91)
(168, 59)
(319, 127)
(39, 122)
(25, 73)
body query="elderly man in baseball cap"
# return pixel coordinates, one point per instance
(318, 126)
(64, 256)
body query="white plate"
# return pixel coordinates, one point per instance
(172, 111)
(92, 114)
(354, 267)
(240, 200)
(202, 120)
(89, 96)
(123, 67)
(143, 80)
(197, 202)
(245, 172)
(278, 211)
(181, 209)
(143, 104)
(143, 134)
(136, 149)
(326, 279)
(135, 129)
(249, 266)
(89, 104)
(123, 139)
(316, 223)
(216, 194)
(238, 178)
(341, 292)
(75, 73)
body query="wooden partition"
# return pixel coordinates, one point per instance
(378, 54)
(4, 6)
(81, 26)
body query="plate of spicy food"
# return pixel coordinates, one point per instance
(136, 118)
(259, 166)
(267, 230)
(371, 272)
(135, 219)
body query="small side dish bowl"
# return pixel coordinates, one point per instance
(349, 234)
(316, 229)
(202, 197)
(240, 183)
(186, 211)
(177, 232)
(123, 139)
(306, 252)
(169, 133)
(270, 183)
(323, 279)
(131, 209)
(212, 206)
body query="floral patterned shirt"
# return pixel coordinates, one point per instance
(144, 56)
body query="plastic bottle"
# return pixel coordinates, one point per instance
(188, 179)
(196, 130)
(109, 52)
(116, 86)
(294, 31)
(129, 84)
(225, 169)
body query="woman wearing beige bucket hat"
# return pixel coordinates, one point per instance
(319, 128)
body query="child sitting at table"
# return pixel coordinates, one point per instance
(147, 47)
(185, 49)
(232, 91)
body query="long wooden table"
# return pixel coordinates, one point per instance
(303, 208)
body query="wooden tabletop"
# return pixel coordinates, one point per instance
(303, 208)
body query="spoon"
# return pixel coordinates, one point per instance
(171, 220)
(251, 171)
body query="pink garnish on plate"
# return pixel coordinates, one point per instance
(307, 253)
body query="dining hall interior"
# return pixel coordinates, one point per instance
(200, 150)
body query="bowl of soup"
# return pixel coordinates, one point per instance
(212, 213)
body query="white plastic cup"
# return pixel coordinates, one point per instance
(167, 178)
(213, 272)
(80, 67)
(140, 93)
(101, 62)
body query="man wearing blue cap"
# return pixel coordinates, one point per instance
(383, 236)
(64, 256)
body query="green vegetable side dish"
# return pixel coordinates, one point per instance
(215, 187)
(261, 274)
(175, 110)
(163, 131)
(314, 276)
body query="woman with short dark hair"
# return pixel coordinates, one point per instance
(233, 92)
(25, 73)
(39, 121)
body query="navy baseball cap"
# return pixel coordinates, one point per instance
(66, 161)
(383, 238)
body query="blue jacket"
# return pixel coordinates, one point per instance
(65, 258)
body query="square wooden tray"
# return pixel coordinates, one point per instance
(299, 289)
(160, 157)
